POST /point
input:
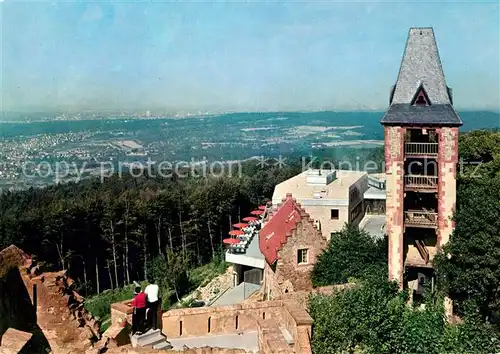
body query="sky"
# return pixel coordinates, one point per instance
(237, 56)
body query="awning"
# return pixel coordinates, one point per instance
(240, 225)
(257, 212)
(262, 207)
(250, 218)
(230, 241)
(236, 233)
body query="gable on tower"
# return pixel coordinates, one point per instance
(420, 98)
(420, 95)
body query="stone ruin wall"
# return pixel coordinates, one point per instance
(58, 311)
(61, 315)
(264, 317)
(302, 297)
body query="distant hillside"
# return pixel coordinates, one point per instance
(474, 120)
(231, 136)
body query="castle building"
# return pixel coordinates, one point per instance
(291, 243)
(421, 155)
(331, 197)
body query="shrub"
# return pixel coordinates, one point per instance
(351, 253)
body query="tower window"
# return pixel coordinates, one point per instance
(421, 101)
(421, 98)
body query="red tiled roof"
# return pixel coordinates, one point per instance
(274, 232)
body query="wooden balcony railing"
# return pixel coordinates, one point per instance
(424, 253)
(421, 218)
(424, 182)
(421, 149)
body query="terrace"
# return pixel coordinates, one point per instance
(264, 327)
(243, 245)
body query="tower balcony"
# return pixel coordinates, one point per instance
(421, 183)
(421, 149)
(420, 218)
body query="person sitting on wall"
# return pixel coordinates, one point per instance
(139, 314)
(152, 296)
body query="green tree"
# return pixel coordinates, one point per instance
(374, 317)
(350, 253)
(367, 317)
(468, 269)
(471, 336)
(170, 271)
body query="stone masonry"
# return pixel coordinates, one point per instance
(394, 166)
(58, 311)
(266, 317)
(287, 275)
(447, 193)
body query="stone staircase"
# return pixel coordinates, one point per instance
(287, 336)
(151, 339)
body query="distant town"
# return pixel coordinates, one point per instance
(33, 144)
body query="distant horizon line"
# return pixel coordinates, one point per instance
(154, 112)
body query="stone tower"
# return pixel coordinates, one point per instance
(421, 155)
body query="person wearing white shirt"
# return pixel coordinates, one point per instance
(152, 291)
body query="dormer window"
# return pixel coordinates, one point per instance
(421, 101)
(421, 98)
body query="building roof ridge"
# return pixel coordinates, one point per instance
(281, 225)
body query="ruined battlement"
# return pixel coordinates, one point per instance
(43, 304)
(248, 319)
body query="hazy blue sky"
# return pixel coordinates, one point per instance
(237, 56)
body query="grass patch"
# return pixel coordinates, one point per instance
(201, 276)
(100, 305)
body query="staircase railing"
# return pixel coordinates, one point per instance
(424, 253)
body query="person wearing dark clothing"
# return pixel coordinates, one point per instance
(139, 314)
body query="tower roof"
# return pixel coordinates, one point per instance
(421, 77)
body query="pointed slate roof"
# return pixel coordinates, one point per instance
(421, 70)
